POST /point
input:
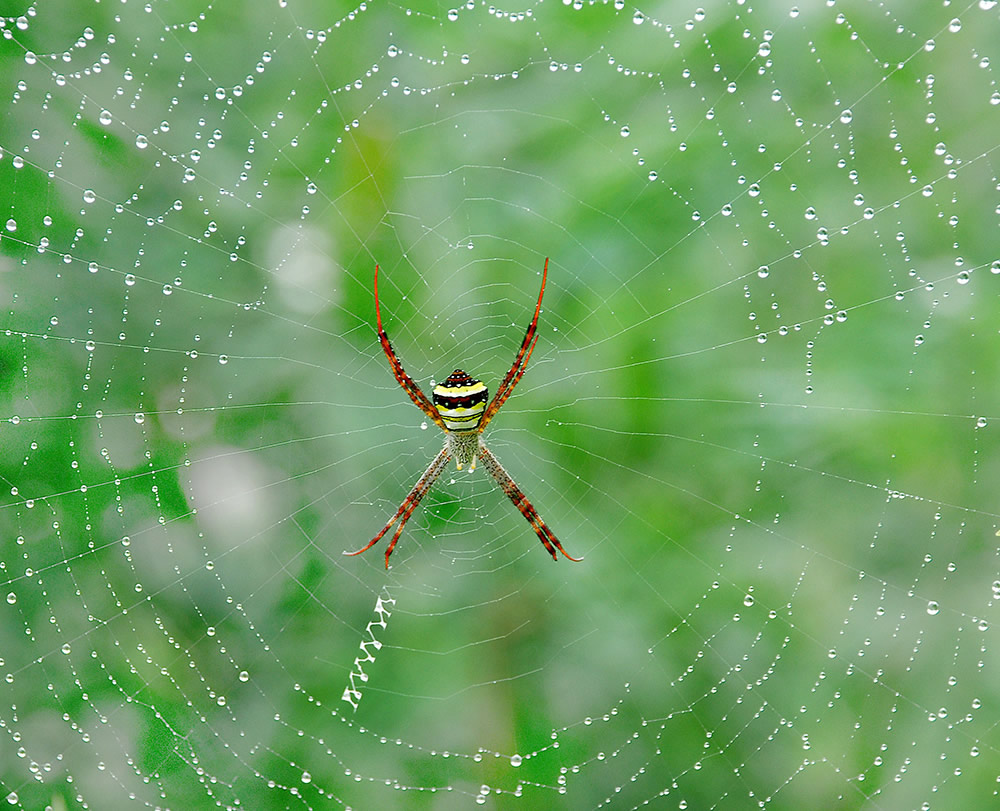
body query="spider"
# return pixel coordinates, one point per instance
(459, 409)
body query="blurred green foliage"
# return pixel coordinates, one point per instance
(769, 330)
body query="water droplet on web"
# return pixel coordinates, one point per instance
(12, 798)
(638, 18)
(244, 676)
(625, 131)
(11, 598)
(515, 760)
(139, 418)
(306, 777)
(933, 608)
(423, 425)
(452, 14)
(66, 649)
(141, 141)
(653, 175)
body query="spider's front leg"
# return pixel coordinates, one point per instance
(514, 493)
(409, 504)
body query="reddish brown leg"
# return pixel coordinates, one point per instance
(520, 360)
(513, 492)
(404, 380)
(409, 504)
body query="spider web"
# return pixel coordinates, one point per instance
(762, 405)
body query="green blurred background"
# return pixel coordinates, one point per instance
(762, 405)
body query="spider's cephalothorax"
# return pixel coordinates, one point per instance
(459, 409)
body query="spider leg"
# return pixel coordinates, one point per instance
(408, 383)
(409, 504)
(520, 360)
(513, 492)
(517, 377)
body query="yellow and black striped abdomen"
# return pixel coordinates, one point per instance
(460, 401)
